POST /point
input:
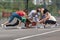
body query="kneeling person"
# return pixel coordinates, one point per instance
(18, 14)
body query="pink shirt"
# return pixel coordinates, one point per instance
(21, 13)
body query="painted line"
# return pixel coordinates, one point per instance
(36, 35)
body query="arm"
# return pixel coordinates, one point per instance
(25, 15)
(47, 17)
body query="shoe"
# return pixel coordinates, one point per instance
(42, 26)
(38, 26)
(30, 25)
(3, 26)
(57, 24)
(23, 27)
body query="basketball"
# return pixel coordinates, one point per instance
(33, 23)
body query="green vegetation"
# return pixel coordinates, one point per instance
(13, 5)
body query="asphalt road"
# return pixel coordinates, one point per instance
(17, 34)
(30, 34)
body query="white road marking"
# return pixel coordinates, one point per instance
(37, 35)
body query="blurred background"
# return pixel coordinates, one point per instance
(8, 6)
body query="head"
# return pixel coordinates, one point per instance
(38, 9)
(25, 10)
(35, 12)
(45, 11)
(41, 10)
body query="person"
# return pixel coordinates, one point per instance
(47, 18)
(34, 16)
(14, 24)
(20, 14)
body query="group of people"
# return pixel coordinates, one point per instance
(38, 16)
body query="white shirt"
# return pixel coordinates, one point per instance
(52, 18)
(33, 11)
(35, 18)
(30, 14)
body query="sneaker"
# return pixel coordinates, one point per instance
(3, 26)
(57, 24)
(38, 26)
(42, 26)
(23, 27)
(30, 25)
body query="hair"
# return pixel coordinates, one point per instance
(38, 9)
(25, 10)
(45, 11)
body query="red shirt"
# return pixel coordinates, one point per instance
(21, 13)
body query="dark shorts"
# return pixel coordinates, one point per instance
(50, 22)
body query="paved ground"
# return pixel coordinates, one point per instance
(30, 34)
(41, 34)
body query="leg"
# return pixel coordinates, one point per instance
(17, 22)
(12, 17)
(50, 22)
(27, 23)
